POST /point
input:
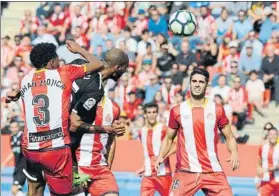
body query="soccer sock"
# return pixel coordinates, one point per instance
(19, 193)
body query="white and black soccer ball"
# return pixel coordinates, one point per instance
(183, 23)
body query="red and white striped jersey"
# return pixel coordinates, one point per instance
(93, 147)
(197, 135)
(169, 96)
(46, 102)
(270, 157)
(151, 140)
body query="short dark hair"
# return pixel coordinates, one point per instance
(42, 53)
(79, 61)
(127, 29)
(145, 31)
(150, 105)
(116, 56)
(222, 75)
(200, 71)
(253, 72)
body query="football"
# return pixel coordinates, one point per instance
(183, 23)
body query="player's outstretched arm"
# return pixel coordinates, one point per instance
(94, 63)
(77, 125)
(166, 146)
(232, 146)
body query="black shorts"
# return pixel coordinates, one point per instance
(18, 175)
(33, 172)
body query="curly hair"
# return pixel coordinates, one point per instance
(41, 54)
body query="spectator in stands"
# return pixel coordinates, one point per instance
(169, 91)
(270, 24)
(114, 20)
(224, 24)
(157, 24)
(152, 88)
(274, 40)
(44, 11)
(224, 49)
(17, 40)
(122, 89)
(13, 69)
(80, 37)
(186, 57)
(255, 89)
(100, 38)
(56, 25)
(147, 59)
(165, 61)
(238, 101)
(177, 76)
(158, 98)
(77, 19)
(270, 71)
(130, 107)
(235, 72)
(96, 22)
(139, 24)
(266, 128)
(44, 37)
(222, 89)
(24, 49)
(130, 43)
(233, 56)
(7, 53)
(208, 53)
(249, 60)
(242, 27)
(142, 44)
(29, 24)
(207, 25)
(257, 45)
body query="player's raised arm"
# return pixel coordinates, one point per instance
(94, 63)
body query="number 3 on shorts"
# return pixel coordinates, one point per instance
(175, 185)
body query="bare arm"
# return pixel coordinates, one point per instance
(111, 150)
(166, 144)
(231, 145)
(172, 150)
(77, 125)
(94, 63)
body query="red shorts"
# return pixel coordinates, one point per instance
(103, 181)
(155, 183)
(57, 168)
(212, 184)
(269, 188)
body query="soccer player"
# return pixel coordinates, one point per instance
(151, 136)
(268, 166)
(196, 122)
(46, 100)
(19, 160)
(96, 152)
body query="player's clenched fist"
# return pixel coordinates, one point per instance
(159, 161)
(234, 161)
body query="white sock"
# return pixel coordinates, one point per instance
(19, 193)
(79, 194)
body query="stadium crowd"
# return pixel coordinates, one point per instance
(237, 42)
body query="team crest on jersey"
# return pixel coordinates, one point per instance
(108, 118)
(209, 116)
(175, 185)
(89, 103)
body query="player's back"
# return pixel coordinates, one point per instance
(46, 101)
